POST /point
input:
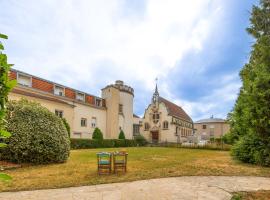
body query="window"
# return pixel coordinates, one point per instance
(204, 126)
(24, 80)
(146, 126)
(80, 96)
(165, 125)
(59, 113)
(120, 108)
(176, 131)
(136, 129)
(98, 102)
(58, 90)
(83, 122)
(93, 122)
(155, 117)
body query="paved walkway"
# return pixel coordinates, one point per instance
(196, 187)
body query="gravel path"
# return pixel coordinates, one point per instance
(189, 187)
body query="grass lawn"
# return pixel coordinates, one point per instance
(258, 195)
(143, 163)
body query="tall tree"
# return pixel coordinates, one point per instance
(250, 119)
(5, 86)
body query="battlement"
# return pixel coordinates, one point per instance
(122, 87)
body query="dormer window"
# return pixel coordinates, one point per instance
(24, 80)
(98, 102)
(80, 96)
(58, 90)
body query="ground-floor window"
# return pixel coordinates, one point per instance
(59, 113)
(136, 129)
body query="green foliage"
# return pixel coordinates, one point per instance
(106, 143)
(229, 138)
(252, 149)
(5, 87)
(121, 135)
(140, 140)
(250, 117)
(66, 125)
(38, 136)
(97, 135)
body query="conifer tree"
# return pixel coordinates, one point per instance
(250, 118)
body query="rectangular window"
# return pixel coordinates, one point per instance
(24, 80)
(204, 126)
(83, 122)
(93, 122)
(80, 96)
(120, 108)
(58, 90)
(98, 102)
(59, 113)
(136, 129)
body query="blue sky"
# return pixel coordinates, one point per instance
(196, 48)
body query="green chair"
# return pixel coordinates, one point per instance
(120, 161)
(104, 160)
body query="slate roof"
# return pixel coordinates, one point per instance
(175, 110)
(211, 120)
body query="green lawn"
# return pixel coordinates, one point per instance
(143, 163)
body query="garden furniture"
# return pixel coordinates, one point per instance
(120, 161)
(104, 160)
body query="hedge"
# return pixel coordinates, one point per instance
(106, 143)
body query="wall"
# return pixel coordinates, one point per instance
(112, 97)
(84, 111)
(126, 119)
(68, 111)
(220, 128)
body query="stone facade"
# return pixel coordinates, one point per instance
(84, 112)
(211, 128)
(165, 121)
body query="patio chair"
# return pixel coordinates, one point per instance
(120, 161)
(104, 160)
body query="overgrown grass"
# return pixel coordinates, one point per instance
(143, 163)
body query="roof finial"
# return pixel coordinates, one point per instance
(156, 90)
(212, 116)
(156, 94)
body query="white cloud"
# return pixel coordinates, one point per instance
(88, 44)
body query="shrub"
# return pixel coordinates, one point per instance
(38, 136)
(97, 135)
(106, 143)
(229, 138)
(121, 135)
(66, 125)
(140, 140)
(252, 149)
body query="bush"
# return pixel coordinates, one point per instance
(140, 140)
(106, 143)
(252, 149)
(97, 135)
(229, 138)
(38, 136)
(66, 125)
(121, 135)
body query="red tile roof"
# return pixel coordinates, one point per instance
(175, 110)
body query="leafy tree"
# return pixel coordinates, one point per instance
(66, 125)
(121, 135)
(97, 135)
(5, 86)
(250, 118)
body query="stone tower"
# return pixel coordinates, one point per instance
(119, 103)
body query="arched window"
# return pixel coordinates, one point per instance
(146, 126)
(165, 125)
